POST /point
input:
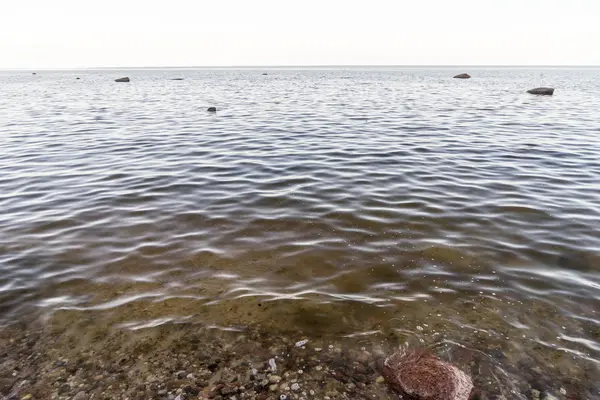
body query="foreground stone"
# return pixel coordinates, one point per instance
(125, 79)
(420, 375)
(544, 91)
(212, 109)
(462, 76)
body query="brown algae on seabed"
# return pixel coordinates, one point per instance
(75, 355)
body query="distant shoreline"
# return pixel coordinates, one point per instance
(284, 67)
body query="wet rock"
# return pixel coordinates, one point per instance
(124, 79)
(543, 91)
(274, 379)
(462, 76)
(181, 374)
(420, 375)
(6, 384)
(177, 79)
(213, 366)
(191, 390)
(81, 396)
(212, 109)
(64, 388)
(78, 78)
(228, 390)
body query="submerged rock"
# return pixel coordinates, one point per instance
(420, 375)
(545, 91)
(177, 79)
(462, 76)
(125, 79)
(212, 109)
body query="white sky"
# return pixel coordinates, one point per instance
(83, 33)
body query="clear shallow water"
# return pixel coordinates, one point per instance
(332, 201)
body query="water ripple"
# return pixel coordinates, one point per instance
(335, 201)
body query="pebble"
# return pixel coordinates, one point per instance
(283, 397)
(380, 379)
(301, 343)
(273, 388)
(295, 387)
(535, 394)
(162, 392)
(274, 379)
(180, 374)
(272, 364)
(27, 397)
(80, 396)
(190, 376)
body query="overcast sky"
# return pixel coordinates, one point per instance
(81, 33)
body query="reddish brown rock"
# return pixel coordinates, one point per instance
(420, 375)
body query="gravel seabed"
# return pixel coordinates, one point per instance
(187, 361)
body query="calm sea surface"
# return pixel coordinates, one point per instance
(357, 201)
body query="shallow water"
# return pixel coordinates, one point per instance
(345, 202)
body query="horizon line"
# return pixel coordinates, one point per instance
(281, 66)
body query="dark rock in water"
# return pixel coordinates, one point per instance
(125, 79)
(545, 91)
(177, 79)
(264, 73)
(463, 76)
(212, 109)
(34, 73)
(77, 78)
(420, 375)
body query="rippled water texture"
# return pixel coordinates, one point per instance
(333, 201)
